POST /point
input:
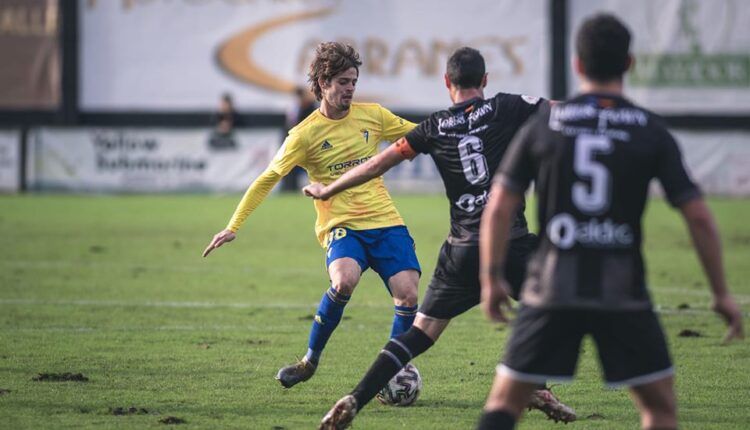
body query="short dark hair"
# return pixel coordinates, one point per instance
(465, 68)
(603, 46)
(331, 58)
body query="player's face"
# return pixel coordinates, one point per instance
(338, 93)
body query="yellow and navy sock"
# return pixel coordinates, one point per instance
(328, 316)
(403, 318)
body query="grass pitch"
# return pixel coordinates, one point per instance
(114, 288)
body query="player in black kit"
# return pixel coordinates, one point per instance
(592, 158)
(466, 142)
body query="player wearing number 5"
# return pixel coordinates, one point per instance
(592, 159)
(466, 142)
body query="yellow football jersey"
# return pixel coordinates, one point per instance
(327, 148)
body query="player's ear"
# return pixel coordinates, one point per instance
(323, 83)
(447, 81)
(631, 63)
(578, 65)
(484, 81)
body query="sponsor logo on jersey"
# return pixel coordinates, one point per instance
(338, 168)
(366, 134)
(451, 122)
(479, 113)
(564, 231)
(470, 203)
(326, 146)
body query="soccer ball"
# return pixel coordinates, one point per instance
(403, 389)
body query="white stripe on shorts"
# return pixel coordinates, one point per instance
(643, 379)
(529, 377)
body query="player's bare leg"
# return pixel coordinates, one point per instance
(508, 394)
(506, 402)
(656, 403)
(344, 274)
(432, 327)
(404, 287)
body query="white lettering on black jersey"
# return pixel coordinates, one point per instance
(467, 142)
(593, 158)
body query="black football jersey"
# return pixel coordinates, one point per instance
(593, 158)
(467, 142)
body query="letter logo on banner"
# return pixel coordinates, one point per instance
(235, 54)
(693, 66)
(382, 57)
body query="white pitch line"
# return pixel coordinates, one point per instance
(172, 304)
(742, 299)
(146, 328)
(134, 266)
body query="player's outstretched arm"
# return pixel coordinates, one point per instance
(494, 232)
(374, 167)
(707, 243)
(253, 197)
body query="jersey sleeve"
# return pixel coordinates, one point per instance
(517, 170)
(521, 107)
(394, 127)
(292, 153)
(418, 137)
(672, 175)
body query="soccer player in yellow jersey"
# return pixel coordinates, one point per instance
(360, 227)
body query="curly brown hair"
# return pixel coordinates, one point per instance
(331, 58)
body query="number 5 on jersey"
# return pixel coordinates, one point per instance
(595, 198)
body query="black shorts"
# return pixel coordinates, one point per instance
(545, 345)
(455, 288)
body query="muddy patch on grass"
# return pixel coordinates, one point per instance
(128, 411)
(172, 420)
(257, 342)
(4, 391)
(204, 345)
(689, 333)
(683, 306)
(97, 249)
(595, 416)
(60, 377)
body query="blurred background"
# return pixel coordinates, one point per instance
(134, 96)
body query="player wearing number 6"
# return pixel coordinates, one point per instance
(466, 142)
(593, 158)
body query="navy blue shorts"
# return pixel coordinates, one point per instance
(387, 250)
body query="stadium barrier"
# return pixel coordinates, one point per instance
(153, 160)
(10, 161)
(145, 160)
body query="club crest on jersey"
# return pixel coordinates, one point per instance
(326, 145)
(366, 134)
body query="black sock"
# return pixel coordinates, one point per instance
(496, 420)
(397, 352)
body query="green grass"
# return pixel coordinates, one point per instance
(115, 288)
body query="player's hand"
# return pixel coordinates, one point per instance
(219, 239)
(495, 298)
(732, 316)
(315, 190)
